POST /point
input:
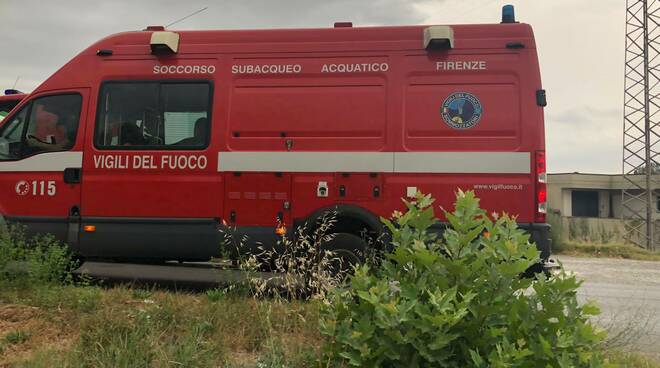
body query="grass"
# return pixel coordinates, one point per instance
(47, 320)
(86, 326)
(16, 337)
(631, 360)
(624, 251)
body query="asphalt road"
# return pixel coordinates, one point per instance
(628, 293)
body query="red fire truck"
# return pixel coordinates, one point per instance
(10, 99)
(148, 144)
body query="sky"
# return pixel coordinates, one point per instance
(580, 46)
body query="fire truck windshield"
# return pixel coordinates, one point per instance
(5, 108)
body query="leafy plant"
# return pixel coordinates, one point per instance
(39, 259)
(459, 300)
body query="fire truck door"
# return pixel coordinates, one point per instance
(150, 186)
(40, 164)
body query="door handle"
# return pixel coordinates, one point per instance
(72, 175)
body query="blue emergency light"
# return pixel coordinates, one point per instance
(508, 14)
(12, 92)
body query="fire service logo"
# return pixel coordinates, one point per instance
(461, 110)
(22, 188)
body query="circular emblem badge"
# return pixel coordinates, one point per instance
(22, 188)
(461, 110)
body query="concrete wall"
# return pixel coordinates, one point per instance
(566, 202)
(560, 201)
(555, 197)
(561, 185)
(588, 229)
(604, 228)
(604, 203)
(617, 207)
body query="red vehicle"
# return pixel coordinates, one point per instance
(148, 143)
(9, 101)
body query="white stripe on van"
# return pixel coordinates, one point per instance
(396, 162)
(463, 162)
(306, 161)
(50, 161)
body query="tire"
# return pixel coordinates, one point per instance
(348, 249)
(534, 269)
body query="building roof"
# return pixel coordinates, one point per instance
(597, 181)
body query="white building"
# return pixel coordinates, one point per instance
(588, 207)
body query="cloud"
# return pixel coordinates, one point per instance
(584, 139)
(583, 115)
(39, 37)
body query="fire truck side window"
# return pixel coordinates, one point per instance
(153, 115)
(52, 125)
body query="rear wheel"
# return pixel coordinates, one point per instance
(348, 251)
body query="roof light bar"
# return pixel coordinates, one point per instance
(164, 43)
(438, 38)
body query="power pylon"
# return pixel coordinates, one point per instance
(641, 121)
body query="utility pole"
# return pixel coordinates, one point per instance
(641, 119)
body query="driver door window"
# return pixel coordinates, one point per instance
(10, 140)
(52, 125)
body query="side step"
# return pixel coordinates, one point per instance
(191, 274)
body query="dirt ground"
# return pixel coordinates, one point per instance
(42, 329)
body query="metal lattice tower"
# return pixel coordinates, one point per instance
(641, 121)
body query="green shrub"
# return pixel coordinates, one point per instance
(40, 259)
(12, 246)
(459, 301)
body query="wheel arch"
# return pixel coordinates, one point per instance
(351, 219)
